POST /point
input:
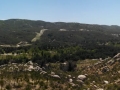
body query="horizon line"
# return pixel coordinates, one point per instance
(56, 21)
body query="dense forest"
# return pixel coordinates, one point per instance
(60, 42)
(13, 31)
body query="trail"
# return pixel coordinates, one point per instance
(37, 37)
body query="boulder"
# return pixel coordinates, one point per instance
(117, 81)
(30, 68)
(106, 82)
(69, 76)
(111, 62)
(70, 80)
(80, 81)
(29, 63)
(118, 59)
(105, 69)
(37, 68)
(93, 81)
(74, 77)
(81, 77)
(55, 76)
(52, 73)
(72, 84)
(119, 72)
(43, 72)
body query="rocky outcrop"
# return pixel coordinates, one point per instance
(14, 67)
(117, 56)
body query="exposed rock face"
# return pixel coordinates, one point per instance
(110, 62)
(29, 66)
(117, 56)
(81, 77)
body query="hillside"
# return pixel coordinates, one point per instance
(13, 31)
(69, 56)
(94, 41)
(94, 74)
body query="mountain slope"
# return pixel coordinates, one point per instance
(13, 31)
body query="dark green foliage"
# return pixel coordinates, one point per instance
(28, 87)
(13, 31)
(8, 87)
(72, 53)
(78, 42)
(69, 66)
(113, 86)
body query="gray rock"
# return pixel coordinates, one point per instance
(52, 73)
(105, 69)
(117, 56)
(110, 62)
(37, 68)
(70, 80)
(72, 84)
(69, 76)
(43, 72)
(80, 81)
(81, 77)
(30, 68)
(55, 76)
(117, 81)
(106, 82)
(29, 63)
(119, 72)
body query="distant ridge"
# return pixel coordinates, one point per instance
(13, 31)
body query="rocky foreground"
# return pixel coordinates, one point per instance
(95, 74)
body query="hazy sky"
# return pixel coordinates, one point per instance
(83, 11)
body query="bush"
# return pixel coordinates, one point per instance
(8, 87)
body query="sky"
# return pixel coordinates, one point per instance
(105, 12)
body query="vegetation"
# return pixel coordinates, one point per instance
(62, 44)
